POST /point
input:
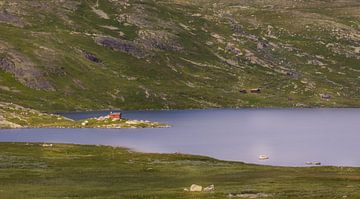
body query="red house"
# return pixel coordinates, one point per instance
(116, 116)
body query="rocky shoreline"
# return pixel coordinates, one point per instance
(15, 116)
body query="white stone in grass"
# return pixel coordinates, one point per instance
(210, 188)
(195, 188)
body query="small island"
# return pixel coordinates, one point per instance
(16, 116)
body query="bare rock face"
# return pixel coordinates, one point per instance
(26, 74)
(7, 124)
(8, 18)
(121, 45)
(23, 69)
(145, 45)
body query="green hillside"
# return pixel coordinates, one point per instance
(58, 55)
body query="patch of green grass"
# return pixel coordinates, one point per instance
(81, 171)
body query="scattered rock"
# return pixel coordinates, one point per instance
(24, 70)
(210, 188)
(233, 49)
(255, 90)
(110, 27)
(293, 74)
(6, 124)
(91, 57)
(47, 145)
(160, 40)
(84, 123)
(236, 27)
(261, 45)
(125, 46)
(100, 13)
(195, 188)
(8, 18)
(325, 96)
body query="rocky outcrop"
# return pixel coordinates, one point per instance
(8, 18)
(91, 57)
(146, 44)
(121, 45)
(159, 40)
(24, 71)
(6, 124)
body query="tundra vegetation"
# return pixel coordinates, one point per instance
(58, 55)
(79, 171)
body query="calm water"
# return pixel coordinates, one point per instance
(290, 137)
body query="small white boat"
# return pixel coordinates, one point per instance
(263, 157)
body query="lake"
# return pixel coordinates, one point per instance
(290, 137)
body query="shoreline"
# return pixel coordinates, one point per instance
(16, 116)
(210, 108)
(67, 170)
(53, 144)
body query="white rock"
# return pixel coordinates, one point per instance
(210, 188)
(195, 188)
(85, 123)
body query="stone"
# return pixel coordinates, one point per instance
(210, 188)
(195, 188)
(261, 45)
(325, 96)
(91, 57)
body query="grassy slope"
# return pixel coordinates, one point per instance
(202, 74)
(73, 171)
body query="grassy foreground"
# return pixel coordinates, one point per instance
(81, 171)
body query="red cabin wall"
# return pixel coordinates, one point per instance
(115, 116)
